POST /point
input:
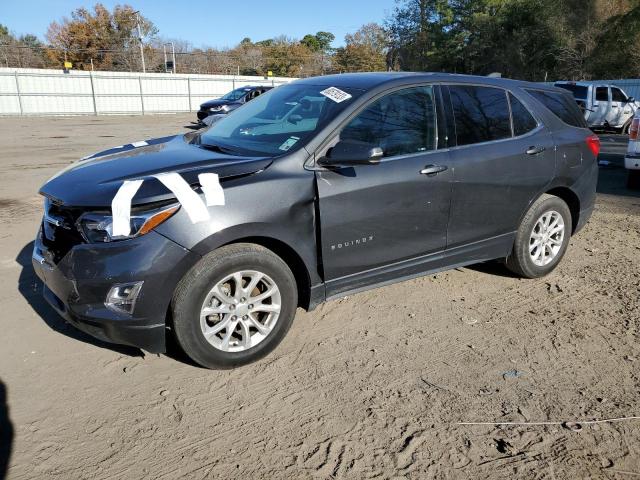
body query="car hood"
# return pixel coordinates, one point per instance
(94, 180)
(218, 103)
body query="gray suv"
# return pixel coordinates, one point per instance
(319, 188)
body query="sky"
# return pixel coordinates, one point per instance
(214, 23)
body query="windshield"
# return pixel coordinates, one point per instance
(282, 120)
(579, 91)
(236, 94)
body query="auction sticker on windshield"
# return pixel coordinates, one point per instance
(335, 94)
(288, 143)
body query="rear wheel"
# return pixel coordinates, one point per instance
(234, 306)
(542, 239)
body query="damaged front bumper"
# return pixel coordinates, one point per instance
(78, 285)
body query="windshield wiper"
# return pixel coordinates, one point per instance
(219, 149)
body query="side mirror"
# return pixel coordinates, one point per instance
(350, 153)
(295, 118)
(631, 100)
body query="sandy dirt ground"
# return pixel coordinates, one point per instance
(370, 386)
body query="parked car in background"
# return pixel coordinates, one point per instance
(632, 158)
(605, 106)
(229, 102)
(322, 187)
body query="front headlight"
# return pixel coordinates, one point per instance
(98, 227)
(220, 108)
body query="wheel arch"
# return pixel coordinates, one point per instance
(294, 244)
(291, 257)
(282, 249)
(572, 200)
(565, 194)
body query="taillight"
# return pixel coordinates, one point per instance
(633, 130)
(593, 142)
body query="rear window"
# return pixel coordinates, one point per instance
(602, 94)
(578, 91)
(523, 121)
(481, 113)
(562, 106)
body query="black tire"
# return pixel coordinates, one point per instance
(633, 179)
(520, 261)
(192, 291)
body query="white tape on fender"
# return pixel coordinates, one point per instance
(141, 143)
(121, 207)
(213, 193)
(190, 200)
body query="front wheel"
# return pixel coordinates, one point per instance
(633, 179)
(234, 306)
(542, 238)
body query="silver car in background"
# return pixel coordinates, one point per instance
(605, 106)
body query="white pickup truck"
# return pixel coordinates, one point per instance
(605, 106)
(632, 158)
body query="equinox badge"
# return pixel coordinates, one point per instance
(352, 243)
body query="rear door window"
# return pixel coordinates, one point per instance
(523, 121)
(561, 105)
(402, 122)
(481, 113)
(602, 94)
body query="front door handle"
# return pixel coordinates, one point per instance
(431, 170)
(535, 150)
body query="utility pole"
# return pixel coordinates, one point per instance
(164, 50)
(144, 67)
(173, 57)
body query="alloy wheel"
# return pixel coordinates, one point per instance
(240, 311)
(546, 238)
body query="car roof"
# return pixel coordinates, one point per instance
(370, 80)
(570, 82)
(587, 83)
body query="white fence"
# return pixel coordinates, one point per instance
(52, 92)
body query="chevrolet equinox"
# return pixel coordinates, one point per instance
(319, 188)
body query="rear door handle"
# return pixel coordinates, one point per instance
(431, 170)
(535, 150)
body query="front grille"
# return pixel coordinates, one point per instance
(59, 232)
